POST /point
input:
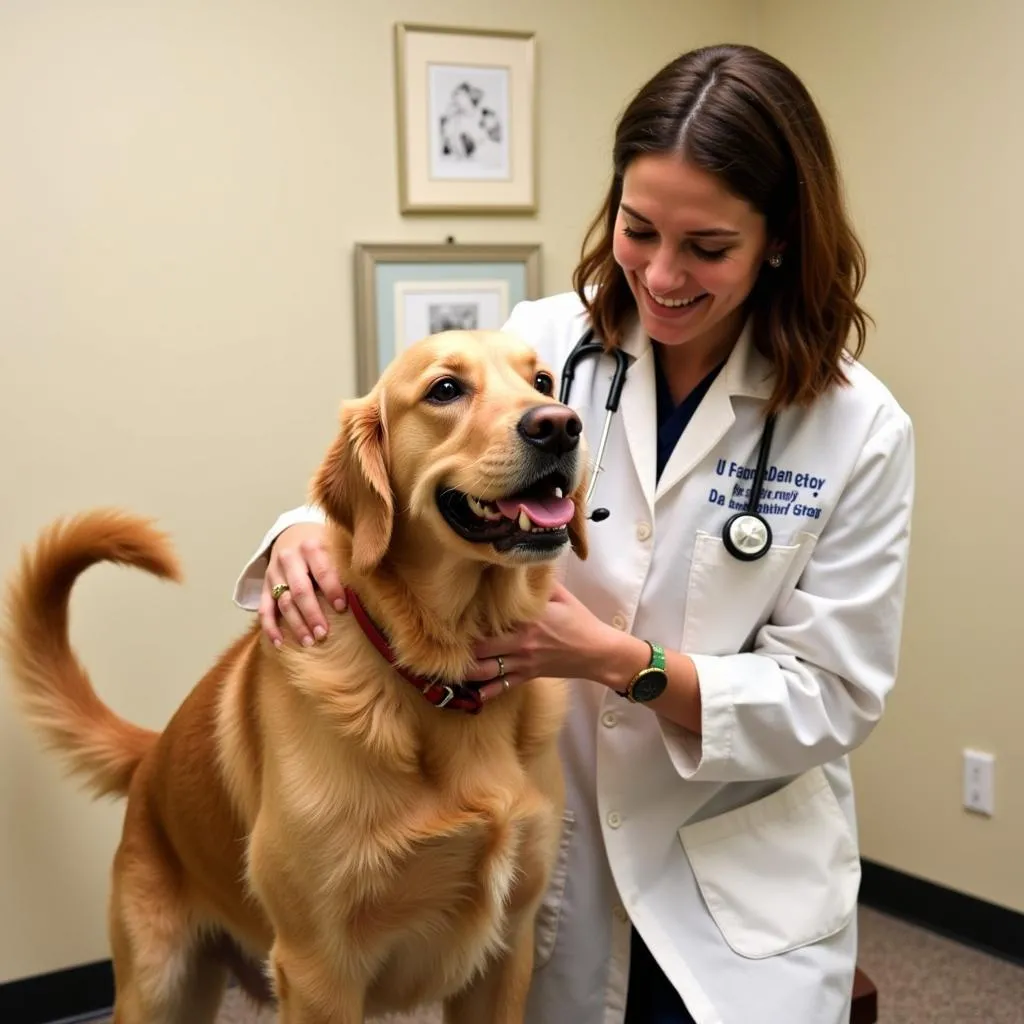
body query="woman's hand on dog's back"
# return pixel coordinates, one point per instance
(299, 557)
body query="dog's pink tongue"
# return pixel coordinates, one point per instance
(549, 512)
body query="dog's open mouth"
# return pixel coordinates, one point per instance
(537, 517)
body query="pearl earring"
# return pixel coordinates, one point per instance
(775, 260)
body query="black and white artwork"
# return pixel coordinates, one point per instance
(429, 307)
(469, 123)
(453, 316)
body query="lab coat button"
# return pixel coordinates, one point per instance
(614, 820)
(609, 718)
(619, 621)
(643, 531)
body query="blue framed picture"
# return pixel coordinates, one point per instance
(405, 292)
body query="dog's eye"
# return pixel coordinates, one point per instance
(544, 383)
(447, 389)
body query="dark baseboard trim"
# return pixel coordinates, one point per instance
(966, 919)
(77, 993)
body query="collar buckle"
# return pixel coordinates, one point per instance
(459, 696)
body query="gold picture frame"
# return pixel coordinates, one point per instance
(466, 120)
(404, 291)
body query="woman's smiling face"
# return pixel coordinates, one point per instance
(691, 252)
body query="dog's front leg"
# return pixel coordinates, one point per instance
(498, 995)
(309, 994)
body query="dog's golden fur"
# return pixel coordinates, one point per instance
(308, 807)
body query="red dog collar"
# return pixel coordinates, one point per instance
(458, 696)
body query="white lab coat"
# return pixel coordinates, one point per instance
(735, 854)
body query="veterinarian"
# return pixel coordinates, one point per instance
(709, 866)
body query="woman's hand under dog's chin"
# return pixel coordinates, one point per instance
(568, 640)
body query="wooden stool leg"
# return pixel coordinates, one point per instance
(865, 1000)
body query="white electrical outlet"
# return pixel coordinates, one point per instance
(979, 781)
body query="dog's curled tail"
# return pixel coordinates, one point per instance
(52, 687)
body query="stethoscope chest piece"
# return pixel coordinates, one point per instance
(747, 537)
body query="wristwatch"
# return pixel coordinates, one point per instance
(649, 682)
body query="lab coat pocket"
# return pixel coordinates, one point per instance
(727, 600)
(779, 873)
(545, 930)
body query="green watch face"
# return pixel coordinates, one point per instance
(650, 683)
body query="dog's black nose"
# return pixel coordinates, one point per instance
(554, 429)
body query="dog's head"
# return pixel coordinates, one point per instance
(465, 97)
(461, 445)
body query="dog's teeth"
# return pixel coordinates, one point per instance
(558, 492)
(524, 521)
(485, 510)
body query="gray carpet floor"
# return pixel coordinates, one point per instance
(922, 979)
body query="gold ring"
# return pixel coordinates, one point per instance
(279, 590)
(506, 684)
(501, 664)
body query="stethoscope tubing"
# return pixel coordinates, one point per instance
(748, 525)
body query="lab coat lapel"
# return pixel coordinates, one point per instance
(745, 373)
(639, 410)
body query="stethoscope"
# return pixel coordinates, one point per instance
(746, 535)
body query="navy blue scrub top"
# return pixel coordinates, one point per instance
(673, 419)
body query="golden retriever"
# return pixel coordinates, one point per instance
(347, 834)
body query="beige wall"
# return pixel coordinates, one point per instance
(180, 190)
(924, 99)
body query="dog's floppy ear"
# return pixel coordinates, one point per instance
(353, 487)
(578, 523)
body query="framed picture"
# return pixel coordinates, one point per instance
(406, 291)
(466, 120)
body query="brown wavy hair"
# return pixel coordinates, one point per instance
(743, 116)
